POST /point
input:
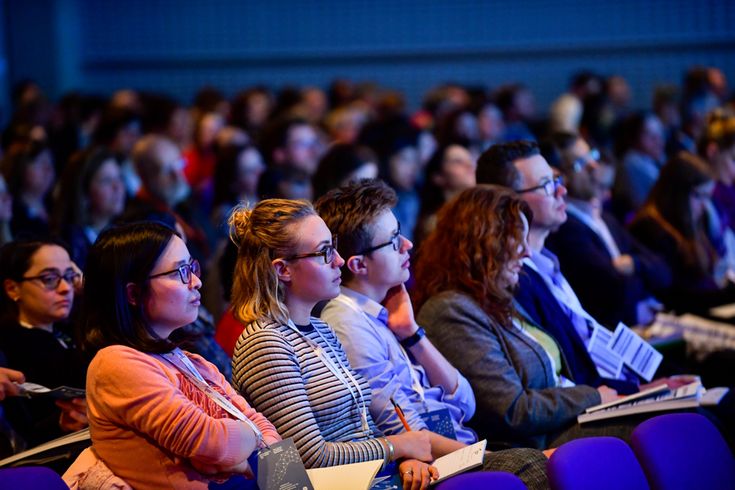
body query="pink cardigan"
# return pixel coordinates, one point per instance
(148, 421)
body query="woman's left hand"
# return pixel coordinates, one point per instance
(73, 414)
(416, 475)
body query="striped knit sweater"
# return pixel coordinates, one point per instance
(277, 370)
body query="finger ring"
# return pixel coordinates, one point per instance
(407, 472)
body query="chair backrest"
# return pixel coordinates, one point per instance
(602, 463)
(31, 478)
(683, 451)
(497, 480)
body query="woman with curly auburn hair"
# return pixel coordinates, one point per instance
(465, 277)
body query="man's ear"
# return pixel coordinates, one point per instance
(12, 289)
(283, 270)
(356, 264)
(132, 292)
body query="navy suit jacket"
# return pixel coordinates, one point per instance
(609, 296)
(534, 296)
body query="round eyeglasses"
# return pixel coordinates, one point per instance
(395, 240)
(329, 253)
(51, 280)
(185, 271)
(550, 187)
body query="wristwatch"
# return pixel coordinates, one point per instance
(413, 339)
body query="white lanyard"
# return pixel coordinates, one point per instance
(415, 381)
(181, 362)
(334, 370)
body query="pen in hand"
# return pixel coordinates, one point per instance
(400, 414)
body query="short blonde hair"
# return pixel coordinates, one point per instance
(263, 234)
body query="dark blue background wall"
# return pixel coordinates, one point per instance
(179, 45)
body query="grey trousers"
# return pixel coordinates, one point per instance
(527, 464)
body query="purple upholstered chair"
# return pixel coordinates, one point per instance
(495, 480)
(31, 478)
(683, 451)
(602, 463)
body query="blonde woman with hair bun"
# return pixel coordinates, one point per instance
(289, 364)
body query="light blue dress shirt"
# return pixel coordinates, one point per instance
(373, 351)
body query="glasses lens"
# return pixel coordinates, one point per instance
(186, 270)
(73, 278)
(51, 281)
(185, 273)
(329, 254)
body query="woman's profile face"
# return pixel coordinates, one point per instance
(250, 167)
(509, 275)
(458, 169)
(39, 302)
(171, 303)
(311, 278)
(106, 190)
(40, 174)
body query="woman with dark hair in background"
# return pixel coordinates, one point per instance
(159, 416)
(91, 195)
(30, 174)
(450, 170)
(673, 224)
(640, 151)
(38, 288)
(236, 175)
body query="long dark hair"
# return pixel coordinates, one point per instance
(668, 204)
(121, 255)
(72, 205)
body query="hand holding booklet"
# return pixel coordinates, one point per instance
(460, 460)
(361, 475)
(33, 390)
(657, 399)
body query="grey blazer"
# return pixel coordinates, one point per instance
(512, 377)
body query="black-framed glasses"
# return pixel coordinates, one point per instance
(185, 271)
(395, 240)
(550, 187)
(329, 253)
(52, 279)
(580, 163)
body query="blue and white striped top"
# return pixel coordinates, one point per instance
(278, 372)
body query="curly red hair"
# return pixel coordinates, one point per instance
(475, 237)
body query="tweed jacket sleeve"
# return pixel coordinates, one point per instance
(510, 374)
